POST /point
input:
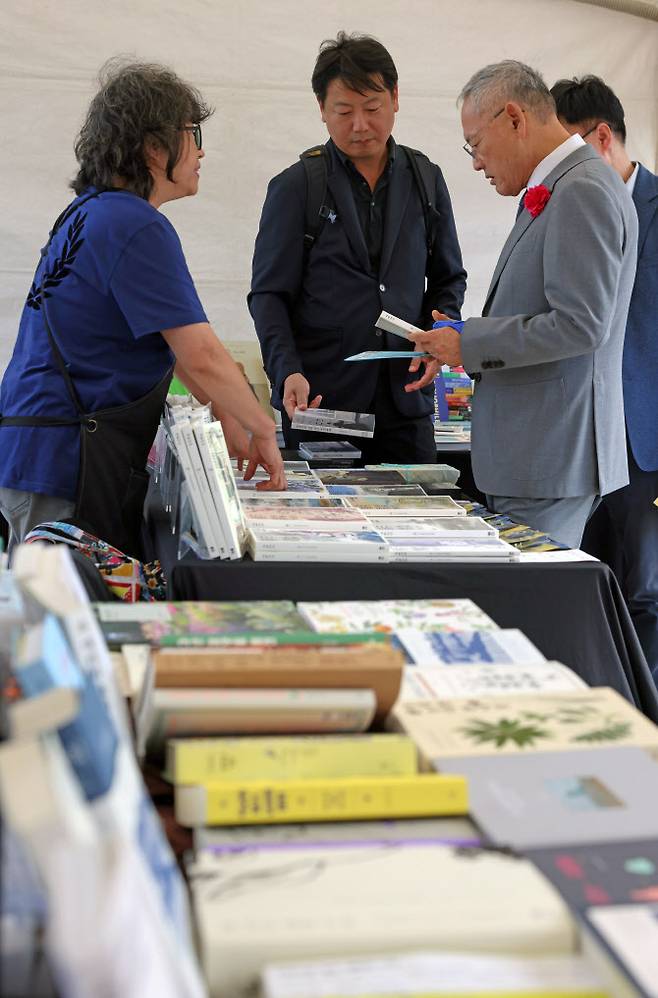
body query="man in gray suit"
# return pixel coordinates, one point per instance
(548, 419)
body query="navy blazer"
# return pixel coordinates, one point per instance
(310, 321)
(640, 363)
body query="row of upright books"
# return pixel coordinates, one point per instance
(369, 515)
(333, 862)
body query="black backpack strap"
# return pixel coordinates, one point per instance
(423, 175)
(316, 211)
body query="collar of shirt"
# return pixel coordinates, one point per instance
(630, 183)
(548, 163)
(349, 165)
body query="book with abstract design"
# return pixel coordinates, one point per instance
(391, 615)
(376, 490)
(504, 646)
(562, 799)
(359, 476)
(411, 898)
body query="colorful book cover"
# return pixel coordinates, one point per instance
(359, 476)
(152, 623)
(429, 505)
(376, 490)
(391, 615)
(602, 872)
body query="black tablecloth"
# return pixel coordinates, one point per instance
(574, 612)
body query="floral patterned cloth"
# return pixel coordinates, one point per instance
(127, 578)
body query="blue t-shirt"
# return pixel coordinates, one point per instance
(115, 275)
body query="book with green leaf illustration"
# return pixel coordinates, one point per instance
(582, 719)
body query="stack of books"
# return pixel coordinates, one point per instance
(202, 455)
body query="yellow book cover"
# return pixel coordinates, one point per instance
(300, 757)
(264, 802)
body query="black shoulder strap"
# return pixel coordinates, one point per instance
(316, 211)
(423, 175)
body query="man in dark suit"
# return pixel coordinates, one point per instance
(378, 248)
(589, 107)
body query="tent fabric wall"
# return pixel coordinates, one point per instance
(253, 62)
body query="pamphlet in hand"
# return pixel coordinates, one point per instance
(355, 424)
(392, 324)
(387, 355)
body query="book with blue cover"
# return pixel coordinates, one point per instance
(45, 661)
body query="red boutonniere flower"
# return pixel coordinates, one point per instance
(536, 199)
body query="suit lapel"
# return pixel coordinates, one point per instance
(339, 184)
(525, 219)
(400, 184)
(645, 198)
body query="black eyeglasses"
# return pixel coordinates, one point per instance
(196, 133)
(589, 131)
(467, 147)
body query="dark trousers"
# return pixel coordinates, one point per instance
(397, 440)
(624, 533)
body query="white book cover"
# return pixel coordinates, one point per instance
(432, 974)
(436, 526)
(305, 903)
(345, 617)
(504, 646)
(123, 811)
(182, 712)
(218, 496)
(406, 505)
(319, 540)
(630, 933)
(443, 682)
(229, 506)
(199, 506)
(307, 519)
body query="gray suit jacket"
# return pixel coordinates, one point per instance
(548, 415)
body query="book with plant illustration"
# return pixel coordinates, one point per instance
(516, 725)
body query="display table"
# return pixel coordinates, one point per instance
(573, 612)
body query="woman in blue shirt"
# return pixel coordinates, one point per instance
(111, 310)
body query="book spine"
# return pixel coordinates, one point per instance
(349, 799)
(302, 758)
(198, 505)
(229, 501)
(215, 500)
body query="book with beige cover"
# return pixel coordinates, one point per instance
(303, 903)
(492, 726)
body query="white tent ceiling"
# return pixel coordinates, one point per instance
(253, 62)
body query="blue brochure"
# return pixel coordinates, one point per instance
(387, 355)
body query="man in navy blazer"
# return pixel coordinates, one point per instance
(589, 107)
(370, 254)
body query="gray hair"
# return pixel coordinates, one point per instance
(509, 80)
(135, 101)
